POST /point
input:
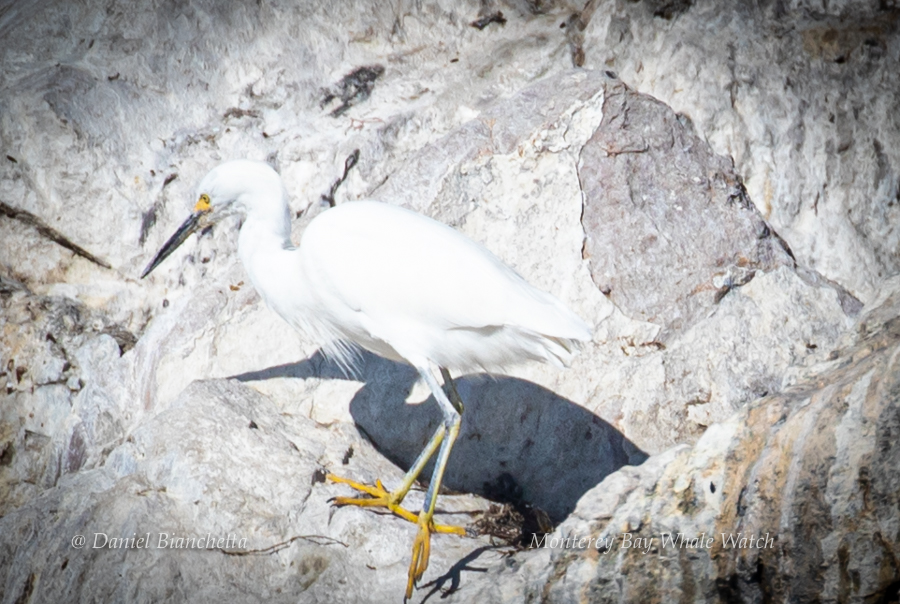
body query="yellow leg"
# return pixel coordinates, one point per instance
(378, 496)
(421, 550)
(381, 497)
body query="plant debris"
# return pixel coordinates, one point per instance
(353, 88)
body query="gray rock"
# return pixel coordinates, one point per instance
(181, 511)
(44, 367)
(809, 478)
(804, 97)
(670, 228)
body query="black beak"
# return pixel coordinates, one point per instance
(192, 224)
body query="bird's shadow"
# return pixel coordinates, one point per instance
(514, 432)
(453, 576)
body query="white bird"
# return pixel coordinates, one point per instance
(401, 285)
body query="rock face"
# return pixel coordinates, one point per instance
(657, 204)
(803, 95)
(44, 348)
(734, 383)
(808, 478)
(192, 473)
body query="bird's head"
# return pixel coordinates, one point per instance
(236, 187)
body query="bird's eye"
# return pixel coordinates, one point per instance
(203, 204)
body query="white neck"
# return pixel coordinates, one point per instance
(268, 203)
(266, 231)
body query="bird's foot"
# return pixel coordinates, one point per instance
(381, 497)
(378, 497)
(421, 551)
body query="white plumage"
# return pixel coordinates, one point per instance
(394, 282)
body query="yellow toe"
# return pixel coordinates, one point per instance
(421, 551)
(378, 497)
(375, 491)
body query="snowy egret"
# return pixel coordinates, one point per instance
(406, 287)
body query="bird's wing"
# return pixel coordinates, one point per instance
(407, 277)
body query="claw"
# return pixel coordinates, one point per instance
(421, 552)
(380, 497)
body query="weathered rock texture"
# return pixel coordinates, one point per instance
(45, 340)
(657, 203)
(193, 471)
(808, 478)
(708, 334)
(804, 95)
